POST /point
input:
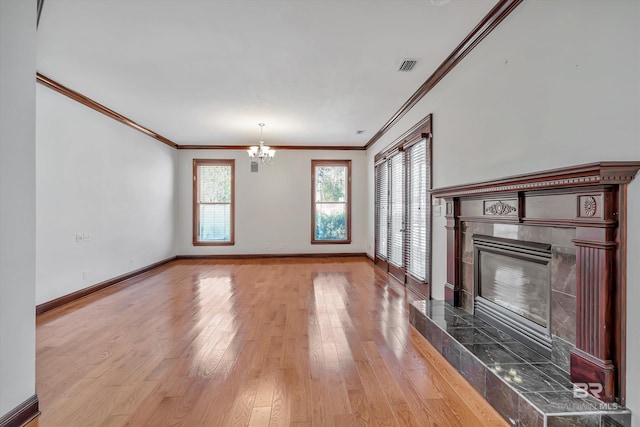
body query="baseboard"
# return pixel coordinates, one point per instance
(254, 256)
(66, 299)
(21, 414)
(74, 296)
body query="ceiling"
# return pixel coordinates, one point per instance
(206, 72)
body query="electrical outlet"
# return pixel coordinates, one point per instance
(86, 237)
(79, 237)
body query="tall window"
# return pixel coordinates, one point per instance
(213, 202)
(418, 192)
(331, 201)
(403, 208)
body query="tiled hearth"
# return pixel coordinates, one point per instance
(527, 389)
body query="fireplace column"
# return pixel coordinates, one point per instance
(452, 287)
(592, 360)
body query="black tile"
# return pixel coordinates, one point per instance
(554, 402)
(473, 371)
(573, 421)
(525, 352)
(418, 306)
(434, 334)
(470, 336)
(484, 228)
(529, 416)
(467, 248)
(491, 354)
(563, 269)
(497, 334)
(534, 234)
(556, 373)
(561, 352)
(507, 231)
(563, 316)
(616, 420)
(503, 398)
(467, 302)
(467, 277)
(450, 320)
(562, 236)
(525, 378)
(451, 351)
(458, 311)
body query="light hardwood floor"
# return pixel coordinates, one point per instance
(273, 342)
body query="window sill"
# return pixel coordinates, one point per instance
(213, 243)
(331, 242)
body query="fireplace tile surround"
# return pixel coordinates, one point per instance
(527, 389)
(563, 280)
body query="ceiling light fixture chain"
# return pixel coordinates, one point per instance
(261, 153)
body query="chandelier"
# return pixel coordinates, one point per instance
(261, 153)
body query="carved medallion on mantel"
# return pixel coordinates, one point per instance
(500, 208)
(591, 199)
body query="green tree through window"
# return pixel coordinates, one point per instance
(331, 207)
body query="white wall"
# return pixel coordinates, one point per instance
(17, 202)
(100, 178)
(273, 206)
(556, 84)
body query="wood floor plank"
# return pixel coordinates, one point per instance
(266, 342)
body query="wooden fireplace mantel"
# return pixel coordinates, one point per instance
(591, 198)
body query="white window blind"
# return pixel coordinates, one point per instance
(396, 199)
(382, 209)
(213, 202)
(417, 230)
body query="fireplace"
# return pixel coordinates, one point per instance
(587, 202)
(513, 288)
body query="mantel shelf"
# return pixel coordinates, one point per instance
(599, 173)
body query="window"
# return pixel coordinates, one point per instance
(331, 201)
(213, 202)
(403, 208)
(417, 229)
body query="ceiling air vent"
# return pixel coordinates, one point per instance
(407, 64)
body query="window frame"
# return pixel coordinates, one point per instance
(195, 202)
(341, 163)
(422, 130)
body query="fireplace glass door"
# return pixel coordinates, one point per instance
(513, 288)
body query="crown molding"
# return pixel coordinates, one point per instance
(600, 173)
(275, 147)
(488, 24)
(85, 100)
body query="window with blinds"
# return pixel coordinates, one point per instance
(396, 206)
(382, 210)
(331, 201)
(403, 208)
(417, 230)
(213, 202)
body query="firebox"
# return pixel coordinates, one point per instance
(513, 288)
